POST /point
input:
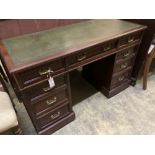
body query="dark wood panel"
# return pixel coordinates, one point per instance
(27, 26)
(47, 24)
(15, 27)
(69, 21)
(9, 28)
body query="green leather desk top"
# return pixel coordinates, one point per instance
(27, 48)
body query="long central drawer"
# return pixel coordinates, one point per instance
(83, 56)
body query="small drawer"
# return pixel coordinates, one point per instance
(125, 54)
(129, 39)
(110, 45)
(35, 92)
(82, 56)
(88, 54)
(123, 65)
(121, 77)
(34, 75)
(53, 116)
(50, 101)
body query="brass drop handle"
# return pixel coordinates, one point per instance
(52, 101)
(54, 116)
(123, 66)
(48, 71)
(126, 54)
(107, 48)
(130, 39)
(80, 58)
(121, 78)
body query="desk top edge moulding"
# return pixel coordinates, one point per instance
(26, 50)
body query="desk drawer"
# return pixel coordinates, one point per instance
(50, 101)
(123, 65)
(84, 56)
(123, 76)
(42, 89)
(31, 76)
(123, 41)
(125, 54)
(53, 116)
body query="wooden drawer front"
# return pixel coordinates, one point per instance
(85, 55)
(50, 101)
(129, 38)
(37, 74)
(109, 45)
(123, 65)
(120, 78)
(53, 116)
(125, 54)
(39, 90)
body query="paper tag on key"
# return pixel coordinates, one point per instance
(51, 82)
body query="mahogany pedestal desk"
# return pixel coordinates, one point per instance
(38, 66)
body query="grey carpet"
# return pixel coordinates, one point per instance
(130, 112)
